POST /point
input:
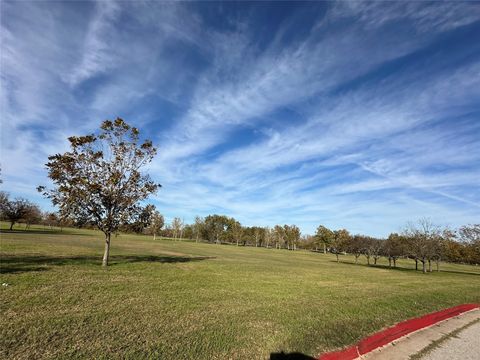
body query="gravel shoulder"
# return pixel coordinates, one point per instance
(461, 345)
(425, 343)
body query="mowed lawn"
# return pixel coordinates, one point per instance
(182, 300)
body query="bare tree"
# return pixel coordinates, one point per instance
(182, 228)
(99, 179)
(258, 235)
(14, 210)
(237, 232)
(268, 236)
(279, 236)
(470, 235)
(293, 235)
(422, 240)
(376, 248)
(157, 223)
(33, 215)
(3, 199)
(198, 227)
(177, 226)
(356, 245)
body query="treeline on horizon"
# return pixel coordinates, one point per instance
(423, 242)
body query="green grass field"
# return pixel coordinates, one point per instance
(181, 300)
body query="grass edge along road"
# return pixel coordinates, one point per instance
(183, 300)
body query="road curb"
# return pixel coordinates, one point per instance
(395, 332)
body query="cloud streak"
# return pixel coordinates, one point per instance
(365, 117)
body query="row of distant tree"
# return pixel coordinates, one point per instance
(98, 183)
(422, 242)
(25, 213)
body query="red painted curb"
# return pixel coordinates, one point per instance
(401, 329)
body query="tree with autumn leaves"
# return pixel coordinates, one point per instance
(99, 179)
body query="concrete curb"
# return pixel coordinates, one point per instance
(395, 332)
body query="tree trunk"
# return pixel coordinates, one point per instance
(375, 261)
(324, 248)
(368, 261)
(438, 265)
(154, 236)
(389, 262)
(424, 266)
(394, 262)
(11, 224)
(107, 250)
(429, 265)
(416, 264)
(337, 256)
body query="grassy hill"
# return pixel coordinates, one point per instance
(183, 300)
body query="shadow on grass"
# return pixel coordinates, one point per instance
(290, 356)
(386, 267)
(18, 264)
(458, 272)
(42, 232)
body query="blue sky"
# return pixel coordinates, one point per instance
(363, 115)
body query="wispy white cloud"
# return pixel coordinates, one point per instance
(422, 16)
(97, 55)
(245, 84)
(363, 149)
(50, 54)
(359, 118)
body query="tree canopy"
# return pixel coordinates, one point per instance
(15, 210)
(99, 179)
